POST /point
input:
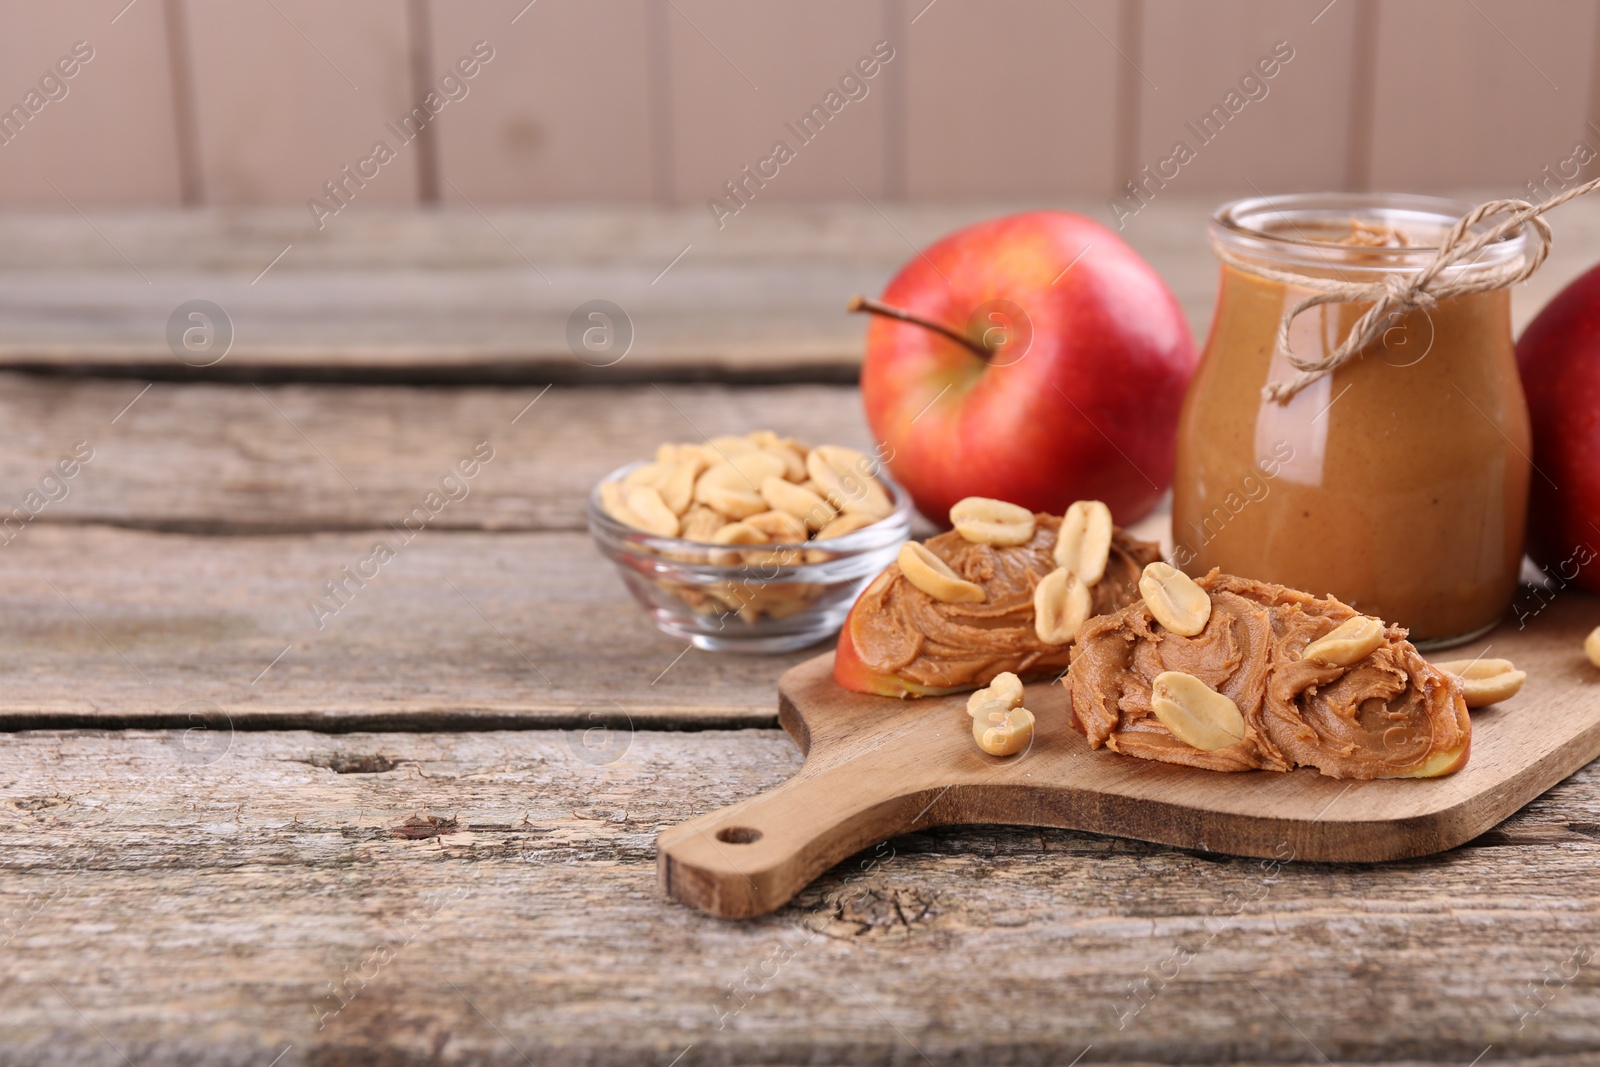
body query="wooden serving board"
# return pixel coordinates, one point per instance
(877, 766)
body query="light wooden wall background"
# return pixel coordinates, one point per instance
(258, 102)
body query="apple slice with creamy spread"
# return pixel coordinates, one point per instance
(1004, 591)
(1230, 674)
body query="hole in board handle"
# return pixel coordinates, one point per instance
(739, 835)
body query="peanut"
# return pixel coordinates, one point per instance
(839, 527)
(755, 467)
(1084, 544)
(700, 523)
(1003, 732)
(798, 501)
(1195, 713)
(726, 488)
(738, 533)
(1485, 681)
(794, 464)
(729, 445)
(845, 479)
(1591, 646)
(678, 491)
(613, 501)
(654, 475)
(986, 521)
(646, 503)
(1004, 692)
(780, 527)
(1060, 604)
(1174, 599)
(1350, 642)
(735, 533)
(933, 576)
(847, 523)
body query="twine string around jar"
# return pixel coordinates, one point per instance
(1397, 294)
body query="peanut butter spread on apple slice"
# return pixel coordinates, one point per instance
(902, 631)
(1388, 714)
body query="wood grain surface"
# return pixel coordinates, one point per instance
(459, 630)
(287, 459)
(170, 571)
(461, 297)
(188, 895)
(879, 766)
(188, 898)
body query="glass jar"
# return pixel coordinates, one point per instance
(1397, 483)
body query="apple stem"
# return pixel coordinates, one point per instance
(861, 303)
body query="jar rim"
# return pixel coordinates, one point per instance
(1243, 226)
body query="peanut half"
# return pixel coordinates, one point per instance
(1003, 731)
(1350, 642)
(1083, 546)
(1174, 599)
(798, 501)
(1485, 681)
(986, 521)
(728, 489)
(700, 523)
(654, 475)
(1004, 692)
(780, 527)
(1591, 646)
(613, 501)
(844, 477)
(842, 526)
(1196, 714)
(1060, 604)
(646, 503)
(678, 489)
(847, 523)
(794, 464)
(933, 576)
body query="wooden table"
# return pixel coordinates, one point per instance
(424, 832)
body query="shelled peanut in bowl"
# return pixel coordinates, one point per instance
(761, 529)
(752, 490)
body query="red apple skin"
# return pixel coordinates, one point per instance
(1089, 412)
(1559, 357)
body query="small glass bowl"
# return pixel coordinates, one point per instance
(749, 598)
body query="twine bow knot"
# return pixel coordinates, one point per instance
(1399, 292)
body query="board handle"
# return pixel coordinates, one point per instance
(752, 857)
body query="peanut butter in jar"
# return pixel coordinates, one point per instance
(1398, 482)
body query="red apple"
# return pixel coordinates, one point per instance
(1044, 362)
(1559, 356)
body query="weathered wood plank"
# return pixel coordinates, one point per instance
(189, 904)
(200, 617)
(458, 630)
(286, 459)
(456, 296)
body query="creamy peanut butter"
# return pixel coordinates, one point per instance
(1388, 714)
(897, 629)
(1399, 482)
